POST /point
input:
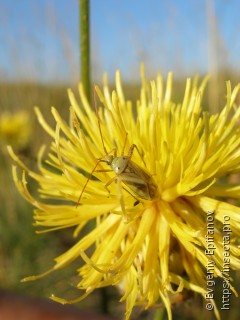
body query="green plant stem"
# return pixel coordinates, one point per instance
(159, 314)
(85, 48)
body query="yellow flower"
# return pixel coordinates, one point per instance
(159, 229)
(15, 129)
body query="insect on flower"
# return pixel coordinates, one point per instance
(138, 181)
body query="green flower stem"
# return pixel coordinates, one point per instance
(85, 47)
(159, 314)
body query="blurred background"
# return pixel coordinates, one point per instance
(39, 60)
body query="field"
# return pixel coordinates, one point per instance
(22, 252)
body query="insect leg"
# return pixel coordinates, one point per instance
(114, 150)
(120, 195)
(131, 194)
(125, 142)
(108, 184)
(130, 152)
(136, 203)
(121, 200)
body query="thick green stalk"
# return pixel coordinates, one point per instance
(85, 47)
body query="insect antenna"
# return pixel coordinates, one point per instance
(99, 123)
(98, 160)
(124, 146)
(85, 185)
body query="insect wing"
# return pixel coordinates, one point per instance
(139, 181)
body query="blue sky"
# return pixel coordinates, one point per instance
(40, 38)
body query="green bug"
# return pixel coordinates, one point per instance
(138, 181)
